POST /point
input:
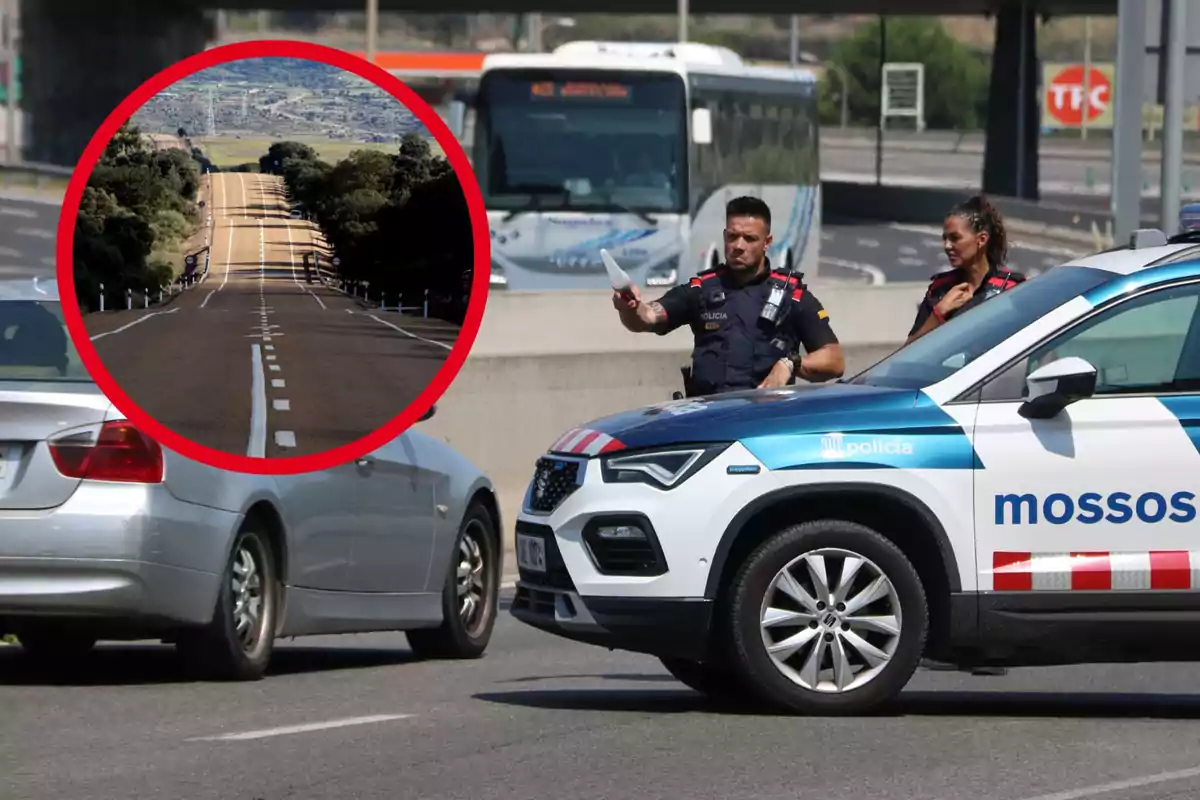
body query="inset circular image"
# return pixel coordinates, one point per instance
(278, 257)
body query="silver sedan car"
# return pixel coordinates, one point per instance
(106, 535)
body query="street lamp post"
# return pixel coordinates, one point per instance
(372, 28)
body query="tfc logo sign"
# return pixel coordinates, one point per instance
(1064, 96)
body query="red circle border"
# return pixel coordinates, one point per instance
(480, 282)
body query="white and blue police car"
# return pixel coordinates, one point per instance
(1016, 488)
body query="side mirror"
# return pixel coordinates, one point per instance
(429, 414)
(702, 126)
(1056, 385)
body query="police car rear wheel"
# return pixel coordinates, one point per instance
(828, 617)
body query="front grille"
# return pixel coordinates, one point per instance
(556, 575)
(554, 479)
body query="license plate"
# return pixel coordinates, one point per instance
(531, 552)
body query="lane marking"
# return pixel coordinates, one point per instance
(271, 358)
(10, 252)
(1116, 786)
(278, 383)
(268, 347)
(274, 367)
(129, 325)
(283, 405)
(867, 243)
(285, 439)
(257, 447)
(39, 233)
(875, 273)
(307, 728)
(408, 333)
(14, 211)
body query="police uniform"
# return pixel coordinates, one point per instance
(997, 280)
(734, 348)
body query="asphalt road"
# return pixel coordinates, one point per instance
(875, 253)
(541, 717)
(1066, 174)
(28, 233)
(254, 360)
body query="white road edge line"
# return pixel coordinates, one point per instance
(306, 728)
(257, 447)
(129, 325)
(1116, 786)
(409, 333)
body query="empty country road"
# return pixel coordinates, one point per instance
(255, 360)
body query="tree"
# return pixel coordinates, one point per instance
(956, 79)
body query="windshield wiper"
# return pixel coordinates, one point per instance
(535, 200)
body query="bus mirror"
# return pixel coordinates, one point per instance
(702, 126)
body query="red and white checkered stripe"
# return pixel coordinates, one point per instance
(1090, 571)
(584, 441)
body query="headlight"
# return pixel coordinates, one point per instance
(663, 469)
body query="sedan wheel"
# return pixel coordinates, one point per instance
(238, 643)
(469, 594)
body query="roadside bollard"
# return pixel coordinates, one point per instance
(128, 299)
(146, 299)
(102, 298)
(426, 304)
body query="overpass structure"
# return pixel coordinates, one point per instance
(82, 57)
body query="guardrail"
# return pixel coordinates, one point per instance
(35, 173)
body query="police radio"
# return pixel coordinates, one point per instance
(774, 309)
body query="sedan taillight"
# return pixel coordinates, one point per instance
(113, 451)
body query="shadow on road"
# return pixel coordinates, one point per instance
(156, 664)
(1000, 704)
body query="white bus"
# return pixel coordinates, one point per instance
(636, 148)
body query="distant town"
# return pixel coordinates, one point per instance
(232, 112)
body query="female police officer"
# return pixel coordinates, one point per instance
(976, 244)
(735, 346)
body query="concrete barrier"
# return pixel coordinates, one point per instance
(544, 363)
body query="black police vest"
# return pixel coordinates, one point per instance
(734, 348)
(998, 280)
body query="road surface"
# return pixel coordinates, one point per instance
(876, 253)
(540, 717)
(254, 360)
(1068, 172)
(28, 233)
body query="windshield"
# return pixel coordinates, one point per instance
(35, 344)
(584, 140)
(943, 351)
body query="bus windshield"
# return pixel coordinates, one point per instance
(582, 140)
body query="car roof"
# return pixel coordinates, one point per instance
(37, 289)
(1126, 261)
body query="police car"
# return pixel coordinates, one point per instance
(1016, 488)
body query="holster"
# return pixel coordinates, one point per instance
(689, 387)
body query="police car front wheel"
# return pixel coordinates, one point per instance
(828, 617)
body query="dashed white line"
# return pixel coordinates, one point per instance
(11, 252)
(257, 447)
(1116, 786)
(129, 325)
(14, 211)
(278, 383)
(308, 728)
(868, 243)
(285, 439)
(39, 233)
(282, 405)
(274, 367)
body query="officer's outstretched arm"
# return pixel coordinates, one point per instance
(657, 316)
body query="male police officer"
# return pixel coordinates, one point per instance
(735, 348)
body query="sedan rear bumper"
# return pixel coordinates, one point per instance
(125, 555)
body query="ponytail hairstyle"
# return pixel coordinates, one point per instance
(982, 216)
